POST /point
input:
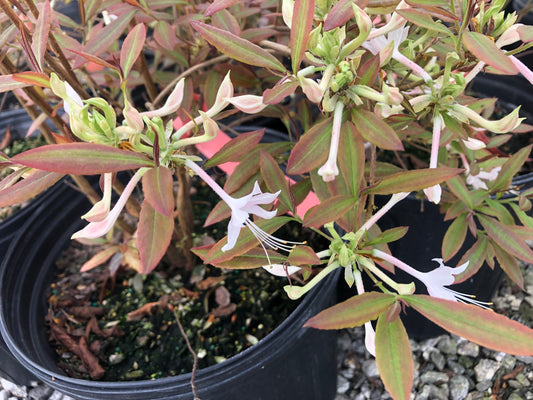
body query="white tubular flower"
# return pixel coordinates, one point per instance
(172, 104)
(287, 9)
(312, 89)
(434, 193)
(396, 21)
(329, 170)
(241, 209)
(477, 181)
(435, 280)
(281, 270)
(100, 210)
(395, 198)
(99, 228)
(370, 334)
(248, 103)
(523, 69)
(474, 144)
(503, 125)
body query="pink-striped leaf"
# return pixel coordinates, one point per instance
(329, 210)
(340, 13)
(481, 326)
(276, 180)
(410, 181)
(153, 236)
(510, 265)
(302, 23)
(254, 258)
(218, 5)
(303, 255)
(394, 358)
(280, 91)
(352, 312)
(100, 258)
(40, 34)
(81, 159)
(486, 50)
(132, 47)
(375, 130)
(236, 148)
(506, 238)
(32, 78)
(311, 151)
(454, 237)
(32, 185)
(238, 48)
(158, 190)
(9, 83)
(227, 22)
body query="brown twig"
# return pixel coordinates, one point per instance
(191, 350)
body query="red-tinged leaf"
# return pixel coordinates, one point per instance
(100, 258)
(436, 8)
(131, 48)
(153, 236)
(484, 48)
(94, 59)
(9, 83)
(276, 180)
(420, 18)
(36, 182)
(506, 238)
(454, 237)
(40, 34)
(481, 326)
(390, 235)
(510, 169)
(311, 151)
(341, 13)
(255, 35)
(158, 189)
(246, 240)
(227, 22)
(409, 181)
(328, 210)
(280, 91)
(368, 72)
(509, 265)
(238, 48)
(32, 78)
(351, 157)
(254, 258)
(352, 312)
(236, 148)
(303, 255)
(394, 358)
(165, 35)
(459, 189)
(302, 23)
(220, 212)
(104, 37)
(475, 257)
(218, 5)
(375, 130)
(81, 159)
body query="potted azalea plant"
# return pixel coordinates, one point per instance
(375, 98)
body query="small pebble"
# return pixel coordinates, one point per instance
(459, 387)
(466, 348)
(485, 369)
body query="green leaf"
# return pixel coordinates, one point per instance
(32, 78)
(459, 189)
(409, 181)
(351, 157)
(238, 48)
(375, 130)
(36, 182)
(280, 91)
(506, 238)
(246, 240)
(276, 180)
(481, 326)
(158, 189)
(394, 358)
(510, 265)
(454, 237)
(502, 212)
(390, 235)
(352, 312)
(303, 255)
(81, 159)
(236, 148)
(328, 210)
(153, 236)
(132, 47)
(510, 169)
(311, 151)
(40, 34)
(302, 23)
(254, 258)
(475, 257)
(420, 18)
(484, 48)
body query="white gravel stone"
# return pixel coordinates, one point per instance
(485, 369)
(370, 368)
(343, 385)
(4, 394)
(15, 390)
(459, 387)
(466, 348)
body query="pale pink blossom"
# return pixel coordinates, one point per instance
(248, 103)
(172, 104)
(281, 270)
(100, 210)
(434, 193)
(474, 144)
(329, 170)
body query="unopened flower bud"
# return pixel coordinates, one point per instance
(248, 103)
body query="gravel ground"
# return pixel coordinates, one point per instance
(447, 367)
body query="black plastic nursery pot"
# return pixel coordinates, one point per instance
(290, 363)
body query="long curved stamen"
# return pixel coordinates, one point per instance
(469, 298)
(271, 241)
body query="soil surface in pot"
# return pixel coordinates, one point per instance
(124, 327)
